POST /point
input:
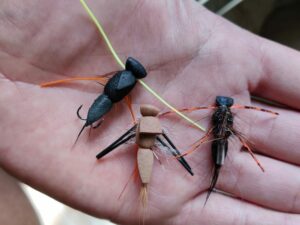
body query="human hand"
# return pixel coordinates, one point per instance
(192, 53)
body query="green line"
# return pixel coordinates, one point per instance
(170, 106)
(96, 22)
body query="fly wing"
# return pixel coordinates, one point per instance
(166, 143)
(175, 151)
(127, 136)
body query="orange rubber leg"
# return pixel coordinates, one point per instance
(101, 80)
(192, 109)
(254, 108)
(251, 153)
(129, 104)
(197, 143)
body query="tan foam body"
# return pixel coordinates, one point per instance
(148, 128)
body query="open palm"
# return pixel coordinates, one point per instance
(192, 56)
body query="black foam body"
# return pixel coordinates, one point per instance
(98, 109)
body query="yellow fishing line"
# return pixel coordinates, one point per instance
(118, 60)
(103, 34)
(170, 106)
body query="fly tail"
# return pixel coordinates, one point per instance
(84, 126)
(213, 182)
(144, 201)
(144, 195)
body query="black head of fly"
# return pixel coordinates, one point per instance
(224, 101)
(136, 68)
(98, 109)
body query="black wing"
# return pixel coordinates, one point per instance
(121, 140)
(174, 151)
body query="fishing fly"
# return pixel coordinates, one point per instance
(118, 87)
(115, 89)
(148, 135)
(222, 129)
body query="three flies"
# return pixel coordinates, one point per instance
(121, 84)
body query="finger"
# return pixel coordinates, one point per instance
(225, 210)
(277, 137)
(277, 188)
(280, 78)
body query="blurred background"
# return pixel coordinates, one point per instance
(277, 20)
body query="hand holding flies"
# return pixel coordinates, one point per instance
(198, 56)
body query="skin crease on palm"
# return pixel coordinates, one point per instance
(192, 55)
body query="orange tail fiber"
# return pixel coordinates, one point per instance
(144, 201)
(128, 101)
(144, 195)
